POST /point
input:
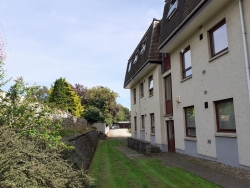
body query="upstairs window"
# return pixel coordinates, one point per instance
(134, 94)
(151, 85)
(136, 56)
(143, 48)
(129, 66)
(172, 7)
(186, 63)
(218, 38)
(141, 90)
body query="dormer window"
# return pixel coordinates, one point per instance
(136, 56)
(172, 7)
(129, 66)
(143, 48)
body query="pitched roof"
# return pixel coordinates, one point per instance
(151, 54)
(171, 25)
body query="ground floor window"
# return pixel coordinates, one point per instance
(135, 120)
(152, 119)
(225, 116)
(190, 121)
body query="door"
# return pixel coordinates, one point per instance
(170, 133)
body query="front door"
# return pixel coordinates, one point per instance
(170, 132)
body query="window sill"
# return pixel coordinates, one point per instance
(218, 55)
(230, 135)
(150, 95)
(142, 129)
(186, 79)
(190, 139)
(152, 134)
(141, 96)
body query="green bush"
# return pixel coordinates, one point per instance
(31, 164)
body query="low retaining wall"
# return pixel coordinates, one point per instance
(139, 145)
(85, 145)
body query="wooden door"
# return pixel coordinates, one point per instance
(170, 133)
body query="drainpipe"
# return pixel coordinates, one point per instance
(245, 46)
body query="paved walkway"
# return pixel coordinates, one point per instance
(175, 159)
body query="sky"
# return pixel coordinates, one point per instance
(85, 41)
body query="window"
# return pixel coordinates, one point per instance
(136, 56)
(166, 63)
(152, 120)
(186, 63)
(141, 90)
(134, 94)
(172, 7)
(168, 94)
(225, 116)
(135, 119)
(218, 38)
(142, 122)
(150, 86)
(190, 121)
(143, 46)
(129, 66)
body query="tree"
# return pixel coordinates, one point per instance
(64, 97)
(81, 92)
(93, 114)
(105, 100)
(42, 93)
(123, 114)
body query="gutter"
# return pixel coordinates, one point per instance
(176, 29)
(245, 46)
(145, 64)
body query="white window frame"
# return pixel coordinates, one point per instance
(144, 44)
(172, 8)
(136, 56)
(129, 65)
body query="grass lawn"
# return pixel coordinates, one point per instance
(112, 169)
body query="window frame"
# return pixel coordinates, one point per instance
(129, 66)
(211, 38)
(142, 122)
(217, 116)
(183, 63)
(141, 90)
(150, 90)
(135, 123)
(144, 45)
(170, 14)
(152, 123)
(186, 125)
(136, 56)
(134, 95)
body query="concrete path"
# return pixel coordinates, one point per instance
(119, 133)
(175, 159)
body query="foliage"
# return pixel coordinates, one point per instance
(118, 170)
(92, 114)
(64, 97)
(23, 112)
(30, 164)
(42, 93)
(123, 114)
(81, 92)
(105, 100)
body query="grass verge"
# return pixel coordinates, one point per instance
(112, 169)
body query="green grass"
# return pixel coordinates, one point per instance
(112, 169)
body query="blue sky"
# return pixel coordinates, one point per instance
(85, 41)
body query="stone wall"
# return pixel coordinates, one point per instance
(85, 145)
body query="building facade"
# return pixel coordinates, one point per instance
(201, 89)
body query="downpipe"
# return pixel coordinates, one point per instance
(245, 46)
